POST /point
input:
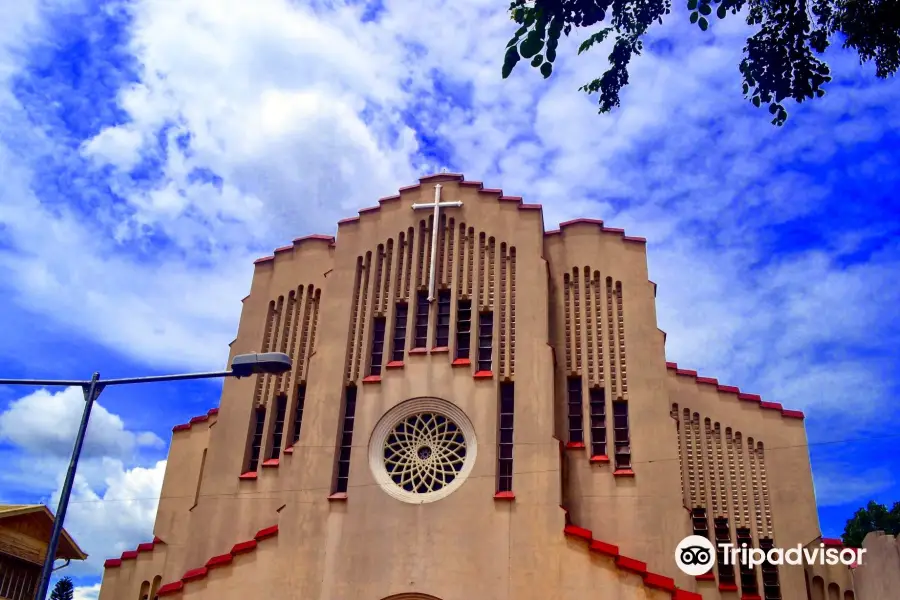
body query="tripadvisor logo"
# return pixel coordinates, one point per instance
(695, 555)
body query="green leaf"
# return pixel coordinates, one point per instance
(756, 101)
(694, 17)
(705, 9)
(531, 46)
(551, 54)
(820, 93)
(773, 108)
(509, 61)
(721, 11)
(704, 24)
(546, 69)
(746, 89)
(537, 60)
(521, 31)
(595, 38)
(692, 4)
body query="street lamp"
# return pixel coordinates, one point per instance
(243, 365)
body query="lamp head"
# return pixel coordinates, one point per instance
(273, 363)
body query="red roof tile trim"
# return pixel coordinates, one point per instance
(652, 580)
(112, 563)
(201, 419)
(603, 229)
(217, 561)
(437, 178)
(315, 237)
(730, 389)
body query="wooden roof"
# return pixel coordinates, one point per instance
(67, 547)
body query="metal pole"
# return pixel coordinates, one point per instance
(89, 396)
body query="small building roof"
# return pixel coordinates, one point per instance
(68, 548)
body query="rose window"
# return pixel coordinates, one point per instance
(422, 450)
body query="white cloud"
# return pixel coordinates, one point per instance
(122, 516)
(836, 486)
(114, 498)
(87, 592)
(45, 423)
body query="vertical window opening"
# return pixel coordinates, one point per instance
(622, 439)
(399, 347)
(298, 411)
(280, 409)
(485, 340)
(343, 467)
(442, 327)
(726, 571)
(256, 445)
(463, 328)
(505, 438)
(377, 354)
(699, 522)
(576, 414)
(199, 478)
(749, 585)
(771, 584)
(598, 422)
(421, 332)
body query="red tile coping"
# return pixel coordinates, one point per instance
(222, 560)
(603, 229)
(461, 362)
(418, 351)
(289, 450)
(440, 349)
(195, 420)
(509, 496)
(728, 587)
(372, 379)
(272, 462)
(623, 473)
(602, 459)
(394, 364)
(249, 475)
(625, 563)
(574, 445)
(730, 389)
(112, 563)
(833, 542)
(483, 375)
(338, 497)
(437, 178)
(219, 561)
(316, 237)
(706, 577)
(460, 178)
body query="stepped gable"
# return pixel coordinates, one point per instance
(112, 563)
(627, 564)
(730, 389)
(196, 420)
(459, 177)
(219, 561)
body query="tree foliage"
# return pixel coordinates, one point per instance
(874, 517)
(63, 590)
(781, 59)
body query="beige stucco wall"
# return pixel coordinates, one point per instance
(370, 545)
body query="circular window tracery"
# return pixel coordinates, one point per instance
(422, 450)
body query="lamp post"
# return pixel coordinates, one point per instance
(242, 365)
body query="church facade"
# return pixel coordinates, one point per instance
(478, 409)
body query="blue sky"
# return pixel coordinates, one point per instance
(151, 149)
